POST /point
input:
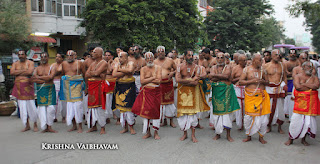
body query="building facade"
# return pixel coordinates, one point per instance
(58, 19)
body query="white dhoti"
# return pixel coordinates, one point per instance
(85, 104)
(147, 122)
(288, 106)
(74, 110)
(301, 124)
(222, 121)
(137, 82)
(187, 121)
(175, 86)
(96, 115)
(108, 111)
(256, 124)
(279, 111)
(239, 113)
(46, 115)
(168, 111)
(61, 107)
(127, 117)
(27, 110)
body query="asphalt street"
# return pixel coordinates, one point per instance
(18, 147)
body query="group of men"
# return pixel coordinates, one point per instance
(158, 87)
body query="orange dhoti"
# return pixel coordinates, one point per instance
(303, 121)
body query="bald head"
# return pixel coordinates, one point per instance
(256, 60)
(98, 50)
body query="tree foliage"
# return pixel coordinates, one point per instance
(13, 25)
(237, 24)
(146, 22)
(311, 12)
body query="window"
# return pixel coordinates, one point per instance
(59, 8)
(73, 8)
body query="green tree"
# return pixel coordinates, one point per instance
(13, 25)
(311, 12)
(149, 23)
(236, 24)
(271, 32)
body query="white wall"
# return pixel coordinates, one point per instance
(52, 24)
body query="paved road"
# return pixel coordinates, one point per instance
(17, 147)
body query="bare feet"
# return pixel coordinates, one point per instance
(79, 130)
(103, 131)
(199, 126)
(63, 120)
(72, 129)
(289, 142)
(55, 120)
(25, 129)
(229, 139)
(269, 129)
(35, 129)
(45, 130)
(147, 135)
(185, 136)
(125, 130)
(164, 123)
(216, 137)
(304, 142)
(194, 139)
(280, 130)
(172, 124)
(262, 140)
(132, 131)
(156, 136)
(118, 121)
(52, 131)
(247, 139)
(93, 129)
(108, 120)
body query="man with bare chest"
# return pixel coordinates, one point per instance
(303, 57)
(72, 88)
(257, 103)
(147, 104)
(306, 105)
(61, 107)
(190, 99)
(237, 71)
(224, 99)
(46, 93)
(138, 64)
(291, 64)
(277, 88)
(108, 88)
(23, 90)
(177, 61)
(124, 92)
(95, 93)
(86, 65)
(168, 109)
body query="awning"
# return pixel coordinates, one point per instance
(42, 39)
